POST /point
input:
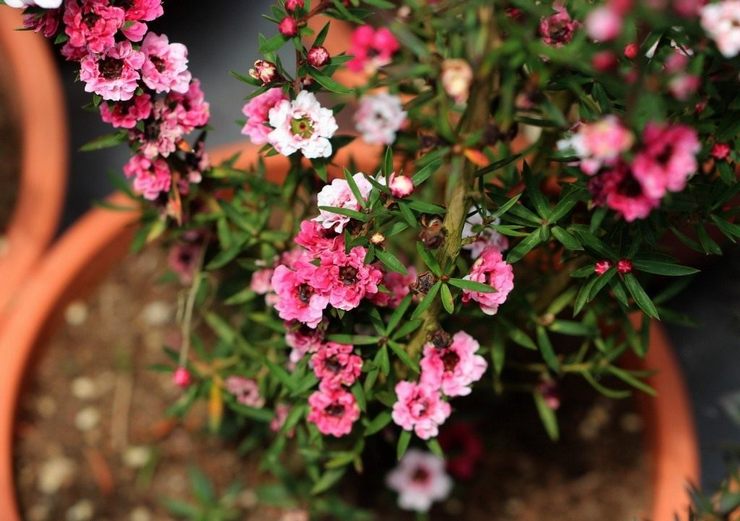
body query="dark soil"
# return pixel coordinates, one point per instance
(10, 148)
(93, 441)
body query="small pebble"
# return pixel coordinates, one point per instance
(54, 473)
(46, 406)
(84, 388)
(83, 510)
(87, 419)
(76, 313)
(137, 457)
(157, 313)
(140, 514)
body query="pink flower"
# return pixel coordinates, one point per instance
(721, 20)
(619, 190)
(166, 66)
(182, 378)
(318, 240)
(491, 269)
(420, 408)
(485, 236)
(721, 151)
(318, 56)
(624, 266)
(333, 410)
(246, 391)
(398, 287)
(335, 364)
(126, 114)
(257, 110)
(182, 259)
(298, 299)
(91, 25)
(667, 159)
(457, 75)
(603, 24)
(293, 5)
(599, 143)
(602, 266)
(683, 86)
(347, 278)
(152, 178)
(401, 186)
(113, 75)
(161, 132)
(339, 195)
(302, 124)
(464, 448)
(260, 282)
(137, 12)
(288, 27)
(281, 414)
(45, 22)
(420, 480)
(558, 29)
(303, 339)
(264, 71)
(371, 49)
(193, 111)
(379, 117)
(453, 368)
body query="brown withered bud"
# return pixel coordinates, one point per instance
(427, 142)
(433, 232)
(307, 82)
(492, 135)
(423, 283)
(264, 71)
(440, 339)
(377, 239)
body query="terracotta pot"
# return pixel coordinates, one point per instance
(37, 95)
(88, 251)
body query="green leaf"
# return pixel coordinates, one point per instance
(498, 354)
(281, 374)
(378, 423)
(390, 261)
(548, 417)
(524, 247)
(382, 361)
(600, 282)
(356, 340)
(322, 35)
(447, 302)
(328, 480)
(399, 312)
(472, 285)
(422, 206)
(630, 379)
(424, 173)
(388, 162)
(592, 243)
(202, 488)
(429, 259)
(402, 355)
(521, 338)
(707, 243)
(501, 210)
(609, 393)
(546, 349)
(408, 215)
(435, 448)
(106, 141)
(408, 327)
(270, 45)
(566, 238)
(346, 212)
(354, 188)
(403, 443)
(641, 298)
(359, 395)
(663, 268)
(328, 83)
(427, 300)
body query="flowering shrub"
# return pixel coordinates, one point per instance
(543, 163)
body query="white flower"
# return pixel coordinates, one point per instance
(302, 124)
(379, 117)
(485, 236)
(339, 195)
(46, 4)
(722, 22)
(420, 480)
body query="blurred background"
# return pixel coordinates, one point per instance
(221, 36)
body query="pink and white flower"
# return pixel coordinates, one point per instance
(318, 240)
(398, 287)
(333, 410)
(604, 24)
(165, 68)
(558, 29)
(44, 4)
(338, 194)
(453, 368)
(126, 114)
(335, 364)
(599, 143)
(347, 278)
(152, 177)
(302, 339)
(667, 158)
(260, 282)
(91, 26)
(490, 269)
(257, 111)
(379, 117)
(485, 236)
(193, 111)
(420, 480)
(721, 20)
(114, 75)
(371, 49)
(618, 189)
(302, 125)
(298, 299)
(246, 391)
(420, 408)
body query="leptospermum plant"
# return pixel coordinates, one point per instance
(533, 168)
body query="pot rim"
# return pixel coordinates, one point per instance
(670, 434)
(43, 129)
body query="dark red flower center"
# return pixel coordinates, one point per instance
(158, 63)
(304, 293)
(450, 359)
(335, 410)
(332, 364)
(110, 68)
(420, 475)
(348, 275)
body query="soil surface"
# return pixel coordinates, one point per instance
(94, 441)
(10, 148)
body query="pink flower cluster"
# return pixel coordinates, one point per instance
(142, 80)
(663, 163)
(371, 48)
(559, 28)
(490, 269)
(246, 391)
(448, 367)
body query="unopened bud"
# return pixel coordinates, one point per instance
(182, 378)
(318, 57)
(401, 186)
(264, 71)
(288, 27)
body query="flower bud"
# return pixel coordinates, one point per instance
(631, 50)
(457, 75)
(182, 377)
(624, 266)
(401, 186)
(721, 151)
(264, 71)
(423, 283)
(377, 239)
(292, 5)
(604, 61)
(441, 339)
(318, 57)
(288, 27)
(602, 267)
